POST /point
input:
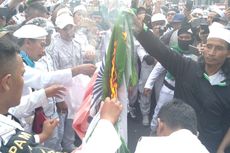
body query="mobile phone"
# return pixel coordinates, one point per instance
(189, 5)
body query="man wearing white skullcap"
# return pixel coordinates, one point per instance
(219, 35)
(205, 85)
(67, 52)
(158, 22)
(29, 33)
(45, 64)
(32, 41)
(13, 138)
(217, 30)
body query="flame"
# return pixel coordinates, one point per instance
(113, 76)
(124, 34)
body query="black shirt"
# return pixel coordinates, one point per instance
(211, 103)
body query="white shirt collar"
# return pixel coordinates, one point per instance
(216, 78)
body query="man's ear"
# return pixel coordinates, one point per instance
(5, 83)
(160, 127)
(228, 56)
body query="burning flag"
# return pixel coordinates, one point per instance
(117, 71)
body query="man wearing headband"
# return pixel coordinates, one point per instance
(205, 85)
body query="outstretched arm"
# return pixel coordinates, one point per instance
(171, 61)
(155, 73)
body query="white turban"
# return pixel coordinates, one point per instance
(217, 30)
(31, 31)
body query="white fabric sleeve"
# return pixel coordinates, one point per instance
(141, 52)
(104, 139)
(156, 72)
(37, 138)
(28, 103)
(38, 79)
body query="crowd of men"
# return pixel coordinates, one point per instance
(49, 51)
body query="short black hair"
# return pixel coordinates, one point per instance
(36, 7)
(8, 52)
(177, 114)
(141, 9)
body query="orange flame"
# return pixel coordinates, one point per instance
(113, 76)
(124, 34)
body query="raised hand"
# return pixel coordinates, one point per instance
(55, 91)
(87, 69)
(110, 110)
(48, 128)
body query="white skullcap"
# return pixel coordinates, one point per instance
(217, 10)
(64, 20)
(80, 8)
(217, 30)
(158, 17)
(31, 31)
(198, 11)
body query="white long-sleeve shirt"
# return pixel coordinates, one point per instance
(46, 64)
(28, 103)
(180, 141)
(104, 139)
(140, 51)
(37, 79)
(157, 71)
